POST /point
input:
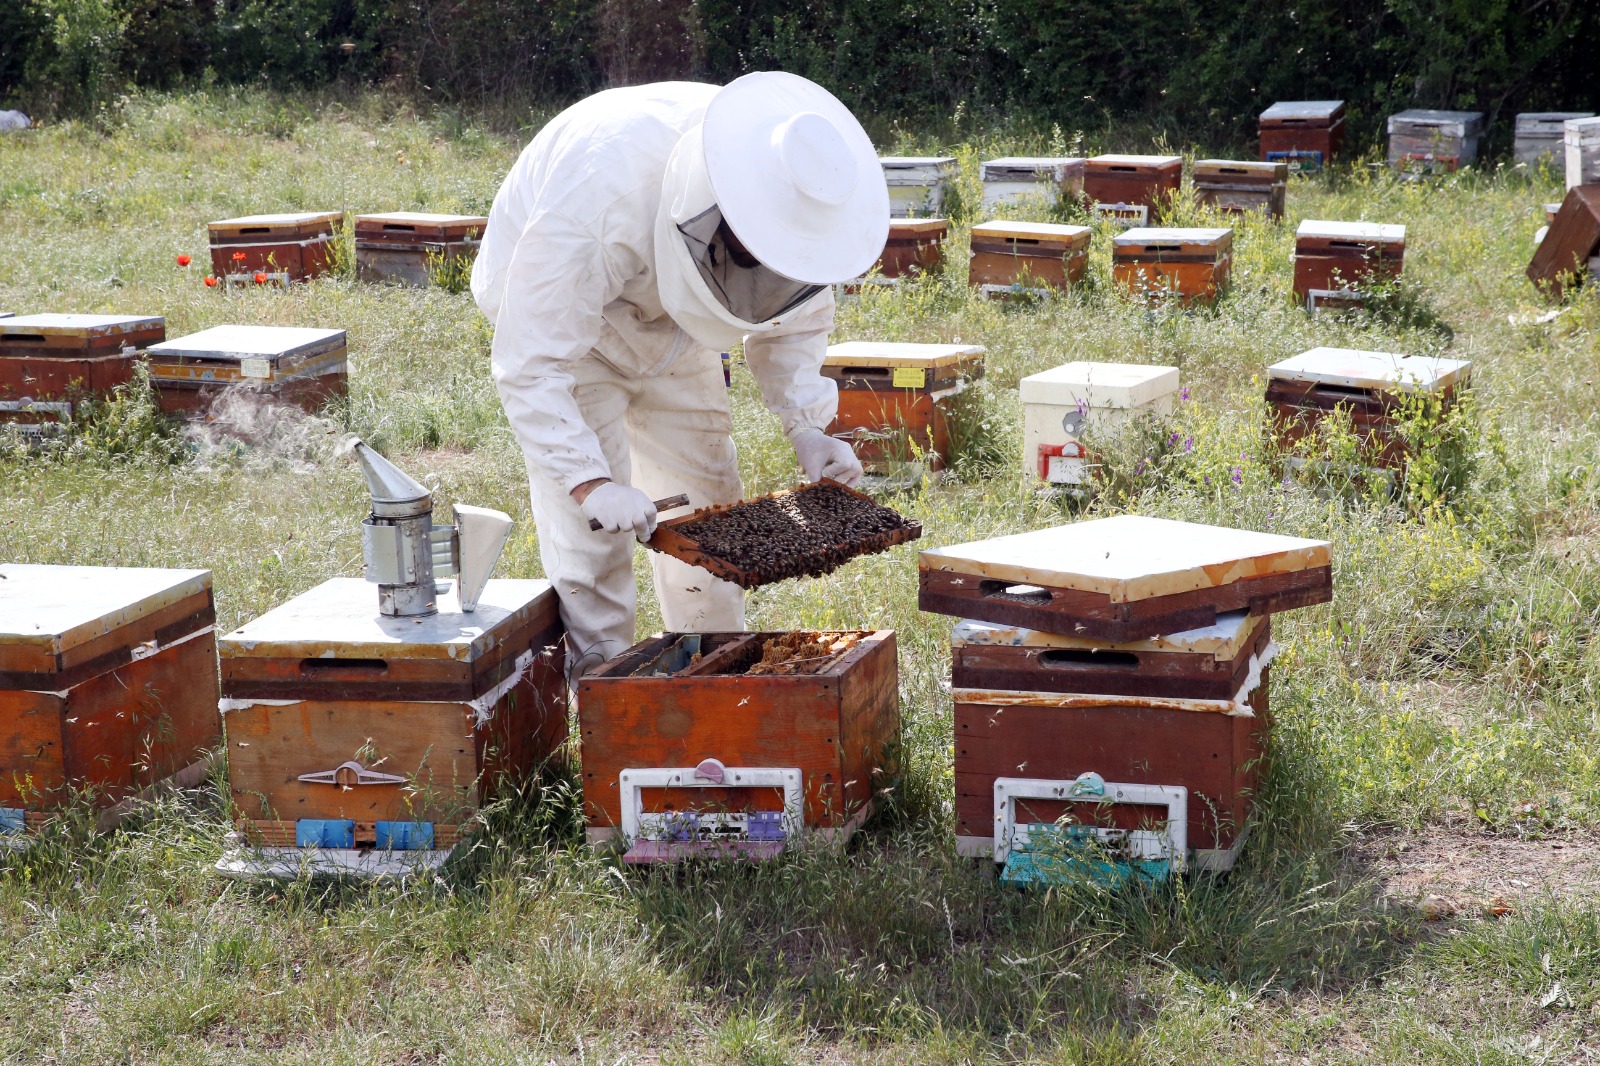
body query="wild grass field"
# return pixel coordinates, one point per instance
(1421, 881)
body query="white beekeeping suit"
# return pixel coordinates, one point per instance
(643, 232)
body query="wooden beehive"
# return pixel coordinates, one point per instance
(1306, 135)
(1572, 241)
(915, 246)
(918, 184)
(1540, 137)
(49, 362)
(293, 246)
(1582, 139)
(404, 246)
(347, 729)
(893, 399)
(1124, 578)
(677, 700)
(108, 686)
(1017, 180)
(1189, 710)
(302, 367)
(1063, 403)
(1233, 185)
(1371, 386)
(1192, 264)
(1133, 181)
(1424, 142)
(1031, 257)
(1340, 257)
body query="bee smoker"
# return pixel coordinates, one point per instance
(406, 554)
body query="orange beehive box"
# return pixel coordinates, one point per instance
(354, 735)
(1572, 242)
(1190, 263)
(48, 362)
(287, 247)
(1147, 181)
(1337, 258)
(1027, 256)
(108, 686)
(915, 246)
(285, 364)
(1306, 135)
(892, 399)
(1234, 185)
(687, 751)
(404, 246)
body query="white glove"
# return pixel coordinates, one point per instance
(823, 456)
(619, 508)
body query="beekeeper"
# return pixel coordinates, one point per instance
(642, 233)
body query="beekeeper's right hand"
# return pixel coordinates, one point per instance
(620, 508)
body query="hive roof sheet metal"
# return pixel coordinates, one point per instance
(1099, 385)
(1048, 231)
(1378, 232)
(79, 325)
(1303, 109)
(1130, 557)
(56, 608)
(244, 342)
(1382, 371)
(895, 353)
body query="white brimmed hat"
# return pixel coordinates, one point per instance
(796, 177)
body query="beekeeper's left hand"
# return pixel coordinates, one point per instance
(823, 456)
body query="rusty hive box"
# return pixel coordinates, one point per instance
(1308, 387)
(1009, 257)
(1339, 257)
(303, 367)
(1019, 179)
(1306, 135)
(1146, 181)
(1241, 185)
(49, 361)
(825, 739)
(1123, 578)
(1425, 142)
(292, 246)
(402, 246)
(1571, 243)
(893, 398)
(1188, 710)
(915, 246)
(347, 729)
(108, 685)
(1191, 263)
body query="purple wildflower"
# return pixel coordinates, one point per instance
(1238, 476)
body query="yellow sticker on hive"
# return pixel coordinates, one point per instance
(910, 377)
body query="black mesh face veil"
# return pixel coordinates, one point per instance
(752, 294)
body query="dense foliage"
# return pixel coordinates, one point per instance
(1198, 68)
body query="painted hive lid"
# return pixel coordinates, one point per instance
(1032, 231)
(46, 611)
(1224, 168)
(1100, 385)
(1029, 167)
(1455, 123)
(250, 342)
(1375, 232)
(1581, 132)
(903, 228)
(1547, 123)
(52, 325)
(1130, 557)
(917, 169)
(1143, 236)
(400, 226)
(1223, 640)
(1156, 161)
(1383, 371)
(423, 218)
(339, 619)
(1303, 110)
(272, 221)
(891, 353)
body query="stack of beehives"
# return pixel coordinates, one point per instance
(1110, 681)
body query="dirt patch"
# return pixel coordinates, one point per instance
(1445, 872)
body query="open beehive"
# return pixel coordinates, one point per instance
(734, 744)
(804, 532)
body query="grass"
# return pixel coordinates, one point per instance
(1451, 681)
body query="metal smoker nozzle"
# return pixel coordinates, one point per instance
(406, 553)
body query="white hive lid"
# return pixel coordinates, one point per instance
(420, 216)
(1170, 235)
(1130, 557)
(1547, 122)
(1581, 131)
(1021, 167)
(1384, 371)
(1302, 109)
(80, 325)
(1100, 385)
(56, 608)
(1379, 232)
(897, 353)
(1222, 640)
(1459, 123)
(1138, 160)
(223, 342)
(277, 219)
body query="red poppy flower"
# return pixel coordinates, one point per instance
(238, 257)
(261, 279)
(211, 282)
(184, 260)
